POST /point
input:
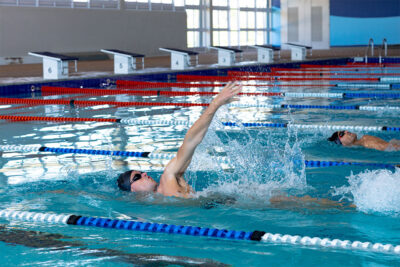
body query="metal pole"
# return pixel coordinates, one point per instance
(211, 22)
(268, 21)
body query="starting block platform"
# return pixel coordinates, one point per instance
(55, 66)
(227, 55)
(180, 59)
(265, 53)
(299, 52)
(124, 62)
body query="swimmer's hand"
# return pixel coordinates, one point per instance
(227, 95)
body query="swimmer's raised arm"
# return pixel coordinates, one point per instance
(172, 182)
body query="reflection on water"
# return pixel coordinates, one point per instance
(236, 196)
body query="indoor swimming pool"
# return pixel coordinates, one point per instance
(265, 164)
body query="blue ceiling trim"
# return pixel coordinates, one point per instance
(365, 8)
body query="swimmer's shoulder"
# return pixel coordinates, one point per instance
(170, 186)
(373, 142)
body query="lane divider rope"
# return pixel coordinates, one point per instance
(366, 85)
(260, 236)
(185, 77)
(143, 85)
(169, 156)
(353, 65)
(333, 68)
(390, 79)
(189, 123)
(306, 73)
(69, 90)
(73, 102)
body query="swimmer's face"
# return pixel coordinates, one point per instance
(141, 182)
(348, 138)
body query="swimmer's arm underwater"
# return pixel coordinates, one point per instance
(373, 142)
(307, 200)
(172, 182)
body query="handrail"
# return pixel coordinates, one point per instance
(370, 42)
(384, 46)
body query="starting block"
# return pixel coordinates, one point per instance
(180, 59)
(227, 55)
(298, 52)
(124, 62)
(265, 53)
(55, 66)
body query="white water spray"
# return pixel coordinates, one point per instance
(376, 191)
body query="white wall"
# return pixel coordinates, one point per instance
(66, 30)
(308, 31)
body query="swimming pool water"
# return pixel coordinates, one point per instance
(234, 197)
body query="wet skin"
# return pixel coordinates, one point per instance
(367, 141)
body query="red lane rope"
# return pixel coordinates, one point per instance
(248, 73)
(183, 77)
(372, 64)
(140, 84)
(93, 103)
(68, 90)
(38, 118)
(132, 85)
(304, 73)
(320, 68)
(344, 66)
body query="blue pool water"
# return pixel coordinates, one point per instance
(236, 197)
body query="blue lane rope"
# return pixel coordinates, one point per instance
(366, 85)
(187, 123)
(313, 126)
(317, 163)
(260, 236)
(371, 95)
(161, 228)
(330, 107)
(343, 95)
(168, 156)
(95, 152)
(389, 79)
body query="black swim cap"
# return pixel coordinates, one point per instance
(335, 138)
(124, 181)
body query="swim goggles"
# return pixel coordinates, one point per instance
(136, 177)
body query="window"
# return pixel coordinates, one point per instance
(225, 23)
(220, 19)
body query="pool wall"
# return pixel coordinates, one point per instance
(169, 76)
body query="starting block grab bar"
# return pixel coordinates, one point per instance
(265, 53)
(227, 55)
(55, 66)
(124, 62)
(180, 59)
(298, 51)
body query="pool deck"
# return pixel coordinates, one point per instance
(15, 73)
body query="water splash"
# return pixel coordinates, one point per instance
(376, 191)
(262, 165)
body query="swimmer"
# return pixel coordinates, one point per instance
(172, 181)
(348, 139)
